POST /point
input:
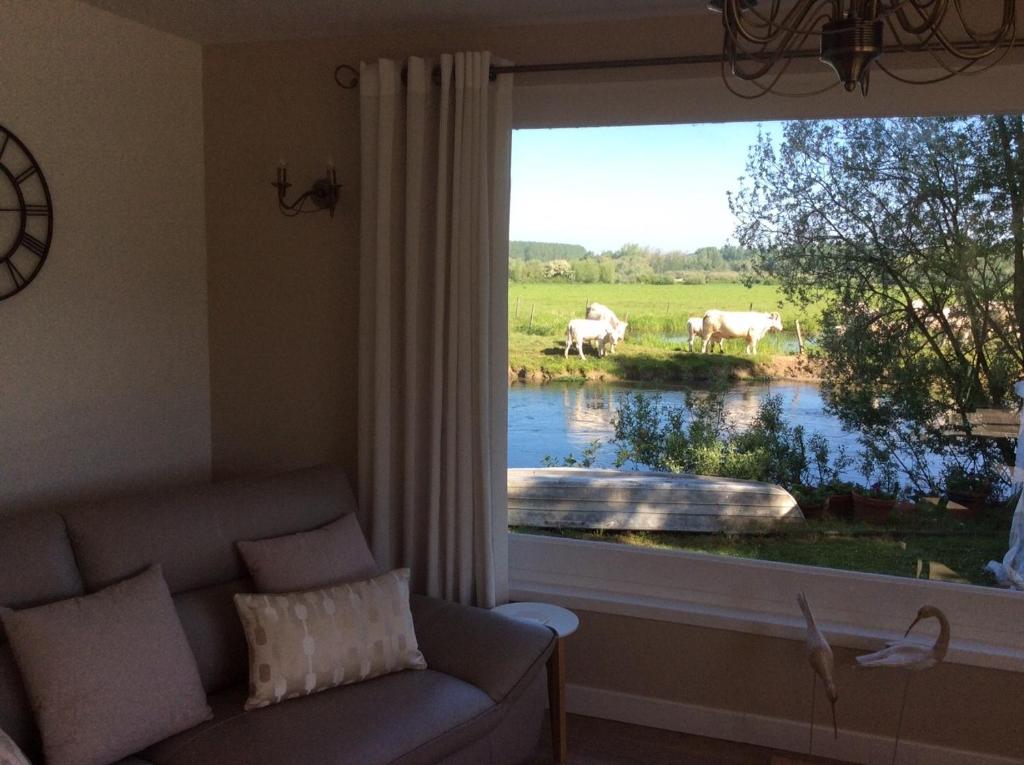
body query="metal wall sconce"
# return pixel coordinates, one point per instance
(323, 194)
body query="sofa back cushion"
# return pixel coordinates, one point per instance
(37, 566)
(192, 533)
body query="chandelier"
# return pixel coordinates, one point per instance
(763, 37)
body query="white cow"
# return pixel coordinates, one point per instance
(600, 312)
(751, 325)
(581, 330)
(695, 327)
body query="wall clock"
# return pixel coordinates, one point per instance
(26, 216)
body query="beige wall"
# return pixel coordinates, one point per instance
(951, 706)
(104, 373)
(283, 302)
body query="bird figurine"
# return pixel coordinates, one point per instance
(911, 655)
(819, 655)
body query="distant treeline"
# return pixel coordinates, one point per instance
(631, 263)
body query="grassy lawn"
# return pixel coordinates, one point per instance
(958, 556)
(655, 345)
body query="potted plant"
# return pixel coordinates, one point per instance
(970, 487)
(811, 500)
(840, 499)
(875, 503)
(823, 471)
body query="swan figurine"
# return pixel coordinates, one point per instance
(910, 655)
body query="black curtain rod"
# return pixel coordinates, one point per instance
(632, 63)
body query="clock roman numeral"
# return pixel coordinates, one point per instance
(18, 277)
(33, 245)
(37, 209)
(27, 173)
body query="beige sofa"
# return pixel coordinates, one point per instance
(480, 701)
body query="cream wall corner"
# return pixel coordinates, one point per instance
(104, 363)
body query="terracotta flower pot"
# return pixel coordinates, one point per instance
(874, 510)
(812, 509)
(840, 505)
(974, 501)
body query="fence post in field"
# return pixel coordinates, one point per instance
(533, 307)
(799, 339)
(517, 307)
(751, 306)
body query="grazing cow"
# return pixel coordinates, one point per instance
(750, 325)
(695, 327)
(599, 312)
(581, 330)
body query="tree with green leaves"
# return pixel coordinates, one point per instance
(911, 231)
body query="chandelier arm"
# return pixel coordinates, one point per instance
(1009, 14)
(789, 25)
(775, 56)
(764, 90)
(922, 45)
(928, 22)
(950, 73)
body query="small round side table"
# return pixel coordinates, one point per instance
(563, 622)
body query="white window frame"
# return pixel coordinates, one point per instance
(856, 610)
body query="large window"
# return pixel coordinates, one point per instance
(853, 283)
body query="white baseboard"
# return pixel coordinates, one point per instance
(771, 732)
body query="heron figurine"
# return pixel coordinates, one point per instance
(819, 656)
(910, 656)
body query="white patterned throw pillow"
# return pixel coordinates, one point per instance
(302, 643)
(10, 754)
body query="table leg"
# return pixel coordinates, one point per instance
(556, 700)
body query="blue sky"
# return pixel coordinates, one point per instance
(662, 186)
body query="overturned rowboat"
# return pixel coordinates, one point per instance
(645, 501)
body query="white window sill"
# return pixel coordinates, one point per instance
(855, 610)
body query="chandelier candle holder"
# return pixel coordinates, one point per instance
(763, 37)
(322, 195)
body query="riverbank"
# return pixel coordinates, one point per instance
(655, 349)
(535, 359)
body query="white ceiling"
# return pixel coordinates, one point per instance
(215, 21)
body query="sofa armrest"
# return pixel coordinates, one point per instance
(488, 650)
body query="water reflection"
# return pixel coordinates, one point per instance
(559, 419)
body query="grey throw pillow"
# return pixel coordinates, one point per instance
(109, 673)
(331, 554)
(10, 754)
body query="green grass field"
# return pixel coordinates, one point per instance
(655, 344)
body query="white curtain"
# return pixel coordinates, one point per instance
(433, 337)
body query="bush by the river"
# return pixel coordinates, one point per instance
(697, 437)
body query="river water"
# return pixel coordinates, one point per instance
(561, 418)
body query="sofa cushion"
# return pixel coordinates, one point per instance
(36, 562)
(107, 673)
(415, 717)
(15, 709)
(36, 566)
(211, 624)
(308, 560)
(10, 754)
(307, 642)
(192, 532)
